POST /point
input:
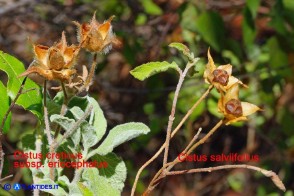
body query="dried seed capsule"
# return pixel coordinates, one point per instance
(234, 107)
(221, 76)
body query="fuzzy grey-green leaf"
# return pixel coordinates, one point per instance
(67, 123)
(115, 172)
(118, 135)
(97, 119)
(149, 69)
(98, 184)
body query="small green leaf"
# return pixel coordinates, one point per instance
(31, 100)
(151, 8)
(115, 172)
(181, 47)
(149, 69)
(98, 184)
(4, 100)
(119, 135)
(67, 123)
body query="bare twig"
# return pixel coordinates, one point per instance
(14, 5)
(172, 135)
(274, 177)
(159, 175)
(5, 178)
(173, 110)
(193, 140)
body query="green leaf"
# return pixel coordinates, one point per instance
(183, 48)
(4, 100)
(188, 15)
(119, 135)
(31, 100)
(97, 119)
(84, 190)
(253, 6)
(98, 184)
(151, 8)
(67, 123)
(28, 141)
(58, 191)
(211, 27)
(248, 29)
(278, 57)
(149, 69)
(115, 172)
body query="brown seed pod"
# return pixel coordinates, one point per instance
(234, 107)
(221, 76)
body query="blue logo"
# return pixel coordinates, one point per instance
(16, 186)
(7, 187)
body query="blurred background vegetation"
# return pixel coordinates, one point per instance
(255, 36)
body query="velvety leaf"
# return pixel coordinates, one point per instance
(85, 191)
(89, 137)
(119, 135)
(149, 69)
(31, 100)
(97, 119)
(116, 171)
(211, 27)
(4, 100)
(67, 123)
(98, 184)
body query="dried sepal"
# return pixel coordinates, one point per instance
(96, 37)
(220, 77)
(55, 62)
(233, 109)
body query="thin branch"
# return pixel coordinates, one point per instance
(172, 135)
(2, 154)
(12, 104)
(173, 110)
(201, 141)
(46, 118)
(193, 140)
(5, 178)
(159, 175)
(274, 177)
